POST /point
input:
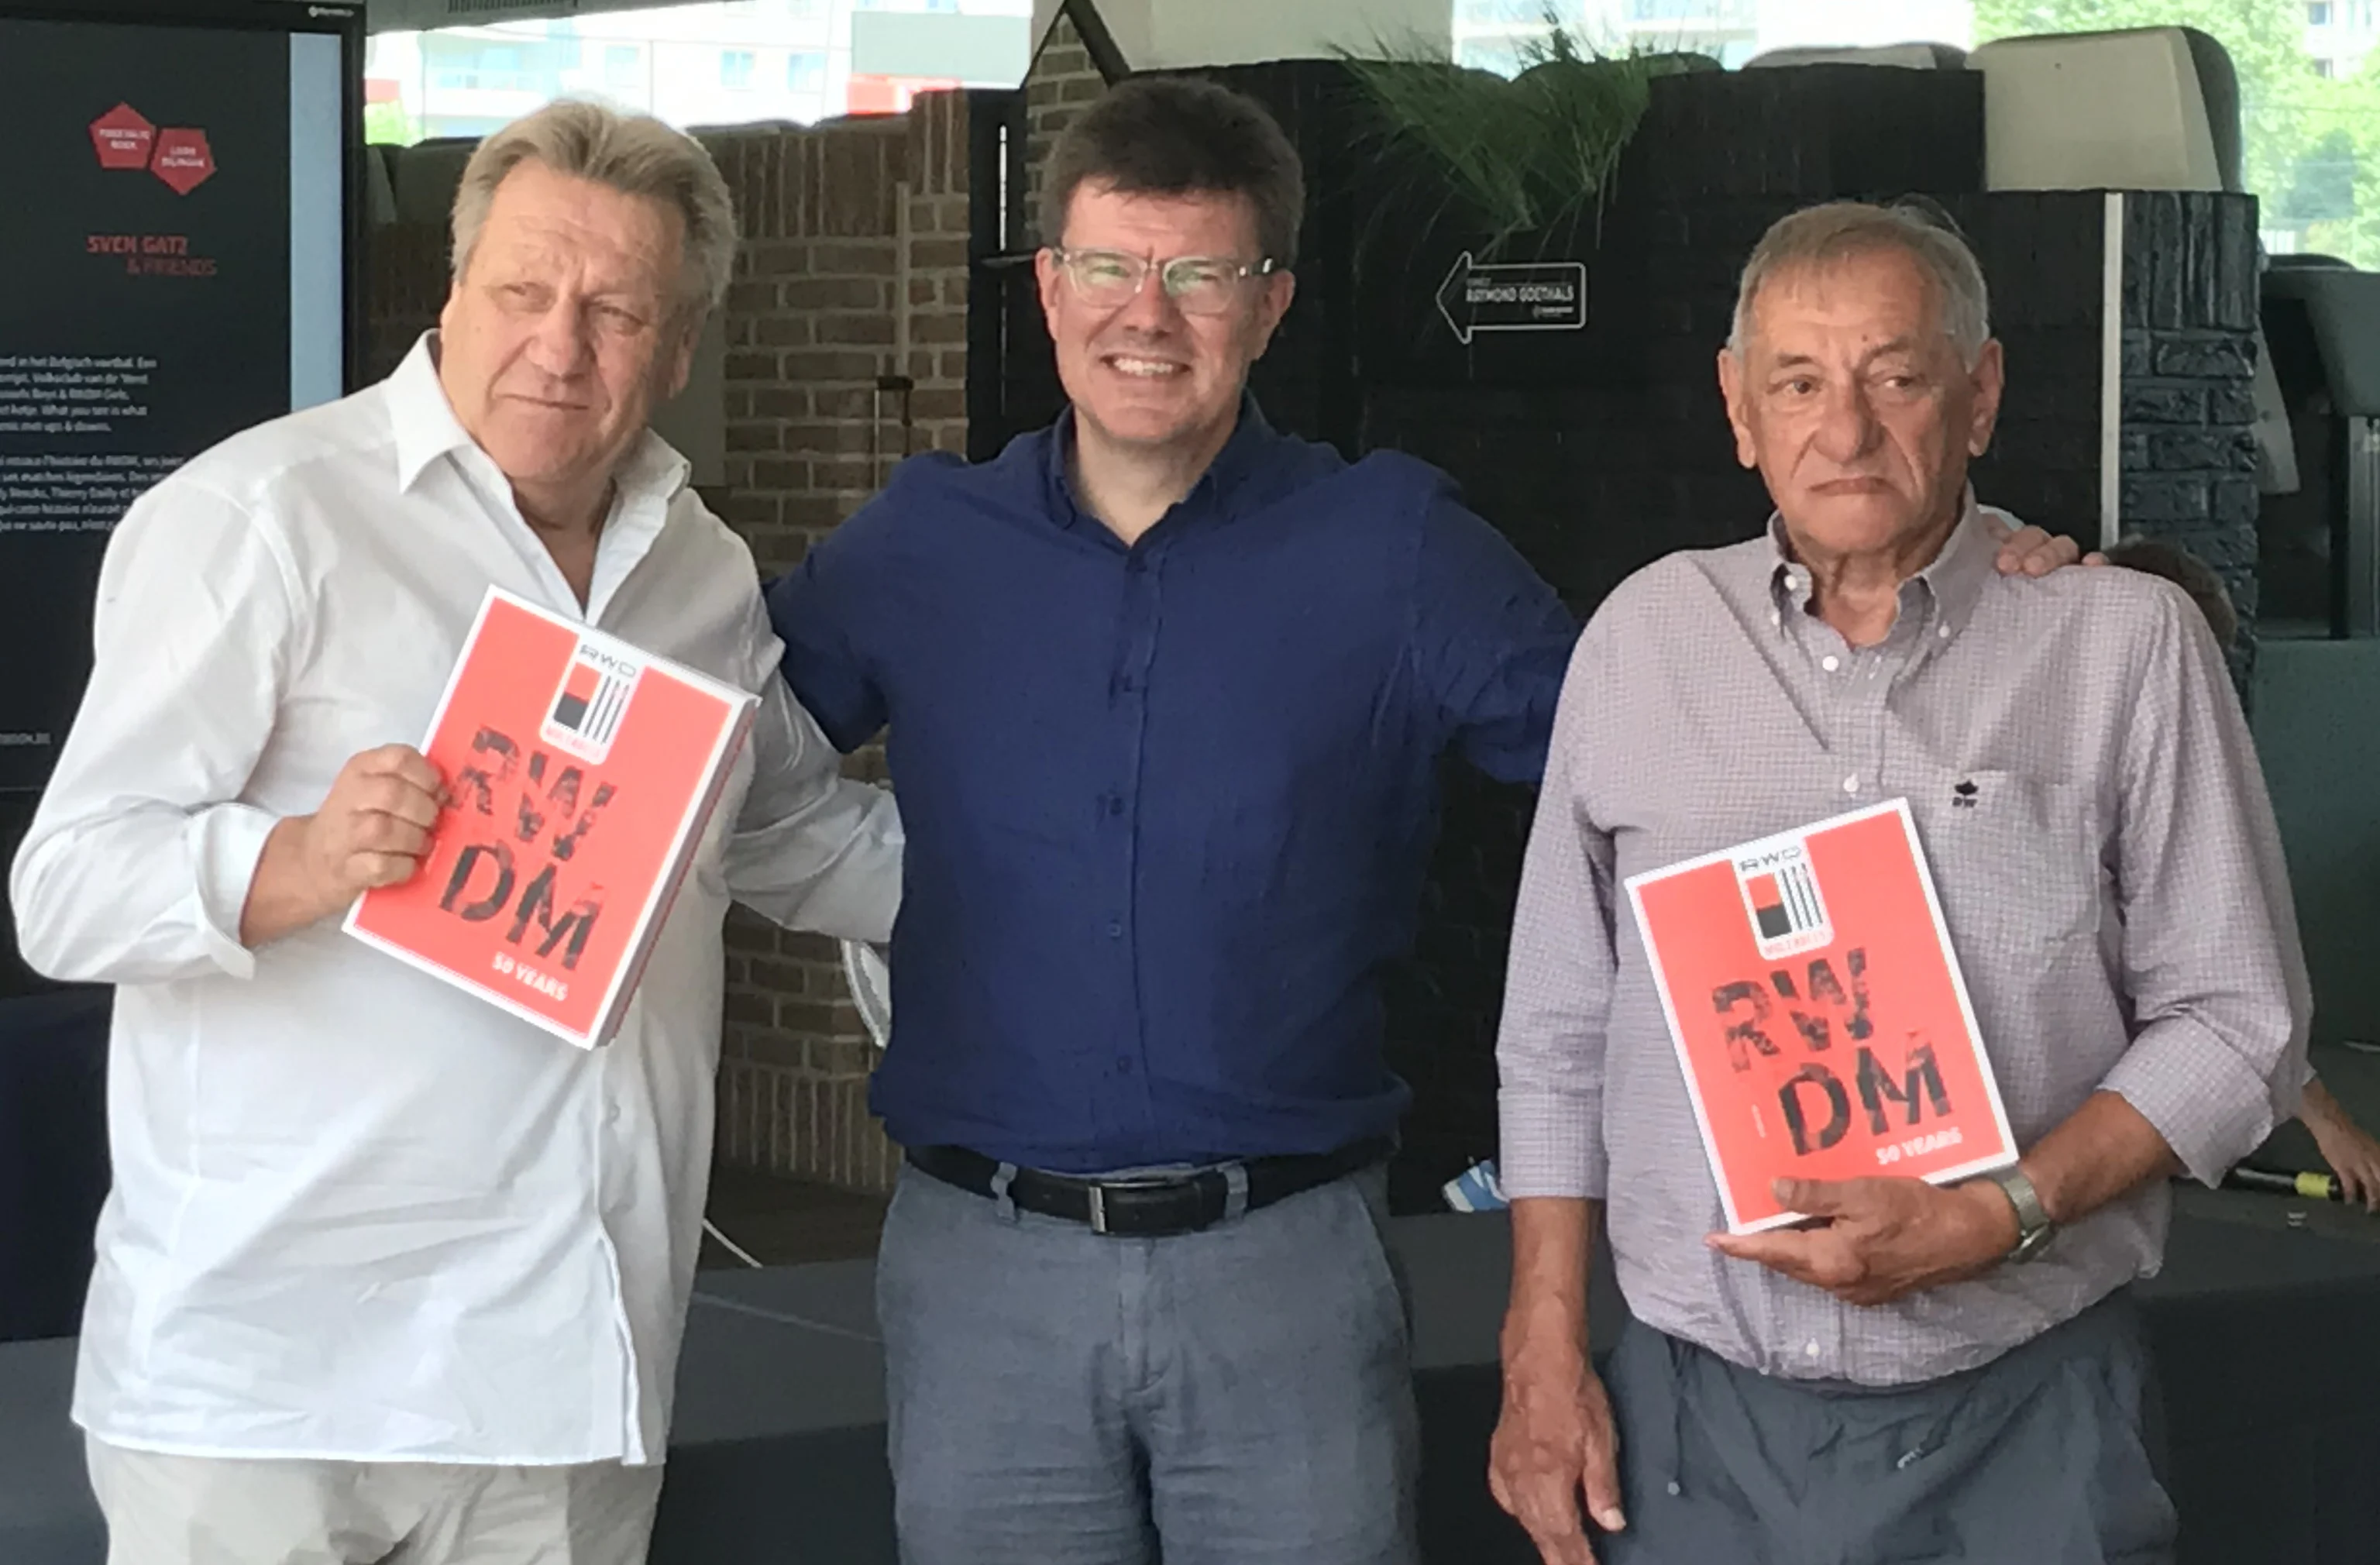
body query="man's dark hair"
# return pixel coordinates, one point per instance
(2190, 573)
(1179, 135)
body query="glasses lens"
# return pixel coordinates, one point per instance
(1201, 286)
(1104, 276)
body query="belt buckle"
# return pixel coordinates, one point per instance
(1098, 1191)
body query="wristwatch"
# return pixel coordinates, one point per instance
(2032, 1225)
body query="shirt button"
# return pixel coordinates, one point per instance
(1115, 930)
(1115, 803)
(1810, 1349)
(1944, 633)
(1675, 1489)
(1830, 662)
(1123, 1064)
(1850, 784)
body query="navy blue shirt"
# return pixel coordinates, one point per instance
(1168, 807)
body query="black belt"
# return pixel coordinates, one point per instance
(1149, 1207)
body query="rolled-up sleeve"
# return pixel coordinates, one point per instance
(1549, 1049)
(138, 864)
(812, 849)
(2210, 950)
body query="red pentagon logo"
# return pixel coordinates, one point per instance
(182, 160)
(122, 137)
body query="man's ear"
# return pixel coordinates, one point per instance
(1738, 415)
(1990, 375)
(679, 362)
(1272, 305)
(1050, 277)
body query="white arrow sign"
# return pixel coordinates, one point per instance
(1538, 296)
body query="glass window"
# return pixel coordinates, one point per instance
(671, 61)
(2318, 13)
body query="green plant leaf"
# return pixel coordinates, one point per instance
(1517, 154)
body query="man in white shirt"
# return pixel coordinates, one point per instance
(388, 1274)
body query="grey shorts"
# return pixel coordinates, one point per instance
(2038, 1457)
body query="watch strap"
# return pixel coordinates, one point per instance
(2032, 1225)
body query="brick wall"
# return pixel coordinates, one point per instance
(846, 349)
(1064, 77)
(2189, 450)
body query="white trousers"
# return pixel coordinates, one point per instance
(210, 1510)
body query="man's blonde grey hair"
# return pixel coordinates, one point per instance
(1820, 236)
(633, 154)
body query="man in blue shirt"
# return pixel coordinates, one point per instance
(1167, 693)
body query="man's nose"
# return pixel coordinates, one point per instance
(559, 345)
(1152, 310)
(1847, 424)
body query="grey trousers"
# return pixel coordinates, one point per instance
(1241, 1396)
(2038, 1457)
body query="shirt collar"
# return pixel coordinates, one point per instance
(426, 430)
(1253, 437)
(1949, 583)
(422, 418)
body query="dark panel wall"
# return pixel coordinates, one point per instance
(1600, 450)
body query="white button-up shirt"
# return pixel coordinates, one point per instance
(359, 1214)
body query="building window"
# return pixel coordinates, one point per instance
(806, 71)
(2326, 70)
(735, 68)
(2318, 13)
(623, 65)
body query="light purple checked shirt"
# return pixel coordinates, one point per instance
(2115, 890)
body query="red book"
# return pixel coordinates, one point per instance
(583, 773)
(1818, 1012)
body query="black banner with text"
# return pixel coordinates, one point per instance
(144, 309)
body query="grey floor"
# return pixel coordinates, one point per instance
(782, 1222)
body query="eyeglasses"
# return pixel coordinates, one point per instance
(1199, 285)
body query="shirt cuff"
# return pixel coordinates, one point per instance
(2208, 1103)
(1551, 1142)
(226, 843)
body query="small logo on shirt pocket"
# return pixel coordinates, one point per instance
(1962, 793)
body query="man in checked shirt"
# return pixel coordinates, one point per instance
(1923, 1374)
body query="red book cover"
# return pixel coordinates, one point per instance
(1818, 1012)
(583, 772)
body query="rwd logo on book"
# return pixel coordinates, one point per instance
(593, 697)
(1780, 894)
